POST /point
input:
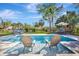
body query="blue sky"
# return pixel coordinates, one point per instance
(25, 13)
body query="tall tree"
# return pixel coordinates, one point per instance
(48, 11)
(71, 17)
(1, 24)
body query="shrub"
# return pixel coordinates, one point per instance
(76, 31)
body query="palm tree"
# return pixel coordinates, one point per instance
(17, 25)
(71, 18)
(63, 18)
(41, 23)
(7, 23)
(36, 24)
(49, 11)
(1, 24)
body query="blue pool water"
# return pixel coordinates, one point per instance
(11, 38)
(41, 38)
(37, 38)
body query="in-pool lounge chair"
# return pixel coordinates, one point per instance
(27, 42)
(55, 40)
(34, 48)
(54, 49)
(52, 45)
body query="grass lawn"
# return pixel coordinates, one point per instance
(2, 33)
(37, 32)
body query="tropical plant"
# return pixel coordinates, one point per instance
(1, 23)
(17, 25)
(27, 27)
(40, 23)
(7, 23)
(76, 29)
(71, 18)
(36, 24)
(48, 11)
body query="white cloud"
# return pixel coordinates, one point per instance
(31, 7)
(34, 17)
(16, 15)
(9, 14)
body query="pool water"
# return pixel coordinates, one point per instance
(41, 38)
(37, 38)
(11, 38)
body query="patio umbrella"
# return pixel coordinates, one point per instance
(62, 24)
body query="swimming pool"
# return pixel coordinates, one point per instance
(37, 38)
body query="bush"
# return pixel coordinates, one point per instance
(76, 31)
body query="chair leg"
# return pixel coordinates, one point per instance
(31, 48)
(24, 50)
(50, 48)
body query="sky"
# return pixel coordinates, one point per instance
(26, 12)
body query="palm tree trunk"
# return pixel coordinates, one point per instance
(52, 22)
(50, 25)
